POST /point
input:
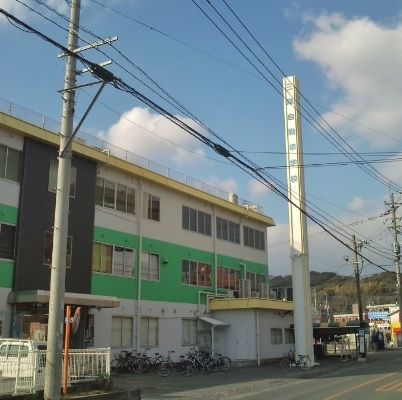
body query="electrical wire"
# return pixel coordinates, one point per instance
(108, 77)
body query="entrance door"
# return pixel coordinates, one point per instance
(242, 343)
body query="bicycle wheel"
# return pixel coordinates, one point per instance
(116, 366)
(164, 367)
(140, 365)
(285, 364)
(305, 362)
(225, 363)
(187, 367)
(204, 367)
(214, 364)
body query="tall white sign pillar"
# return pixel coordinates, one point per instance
(297, 220)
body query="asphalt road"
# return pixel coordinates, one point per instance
(380, 378)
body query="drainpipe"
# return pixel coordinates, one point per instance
(257, 335)
(138, 260)
(215, 255)
(244, 270)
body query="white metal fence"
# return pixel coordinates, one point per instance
(24, 371)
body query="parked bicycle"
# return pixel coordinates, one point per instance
(123, 362)
(217, 360)
(290, 361)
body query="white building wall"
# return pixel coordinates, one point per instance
(5, 313)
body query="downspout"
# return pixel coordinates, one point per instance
(257, 335)
(244, 270)
(138, 260)
(214, 248)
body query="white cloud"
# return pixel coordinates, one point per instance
(155, 137)
(362, 60)
(228, 185)
(257, 189)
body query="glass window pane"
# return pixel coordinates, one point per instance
(155, 208)
(96, 256)
(129, 262)
(231, 231)
(99, 190)
(201, 222)
(73, 181)
(7, 240)
(130, 200)
(3, 157)
(219, 228)
(118, 260)
(52, 176)
(109, 194)
(185, 271)
(224, 229)
(127, 332)
(193, 220)
(185, 217)
(116, 332)
(237, 233)
(121, 197)
(13, 167)
(208, 229)
(106, 258)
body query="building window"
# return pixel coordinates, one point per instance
(115, 196)
(196, 221)
(255, 280)
(7, 241)
(10, 163)
(151, 207)
(48, 250)
(122, 331)
(116, 260)
(254, 238)
(52, 184)
(289, 336)
(276, 336)
(149, 266)
(149, 331)
(228, 278)
(196, 273)
(227, 230)
(188, 332)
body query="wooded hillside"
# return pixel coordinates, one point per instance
(340, 292)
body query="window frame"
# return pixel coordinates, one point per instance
(254, 238)
(151, 207)
(276, 336)
(121, 337)
(10, 237)
(48, 250)
(10, 163)
(52, 179)
(108, 194)
(196, 273)
(189, 332)
(196, 220)
(104, 255)
(147, 270)
(149, 333)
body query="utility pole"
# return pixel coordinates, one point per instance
(53, 374)
(396, 251)
(362, 332)
(357, 275)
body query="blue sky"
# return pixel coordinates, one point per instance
(346, 55)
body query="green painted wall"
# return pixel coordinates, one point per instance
(6, 274)
(8, 214)
(170, 287)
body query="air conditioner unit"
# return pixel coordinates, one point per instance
(254, 293)
(264, 290)
(230, 294)
(245, 288)
(251, 207)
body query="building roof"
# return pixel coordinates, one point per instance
(26, 129)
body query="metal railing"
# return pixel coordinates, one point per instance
(10, 108)
(24, 371)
